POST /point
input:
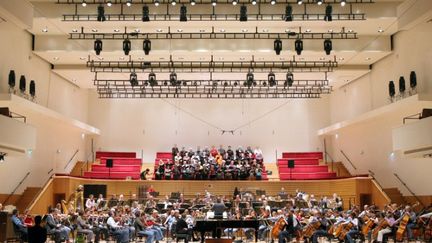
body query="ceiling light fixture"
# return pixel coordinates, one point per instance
(277, 46)
(109, 3)
(173, 2)
(156, 3)
(273, 2)
(192, 2)
(299, 2)
(74, 30)
(128, 3)
(234, 2)
(319, 2)
(254, 2)
(380, 30)
(84, 3)
(214, 2)
(45, 30)
(328, 46)
(343, 3)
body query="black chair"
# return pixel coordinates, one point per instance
(179, 236)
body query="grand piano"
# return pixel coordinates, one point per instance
(211, 225)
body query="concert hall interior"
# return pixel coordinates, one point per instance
(215, 121)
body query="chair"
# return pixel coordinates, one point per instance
(18, 236)
(179, 236)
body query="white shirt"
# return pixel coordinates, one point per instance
(112, 223)
(90, 203)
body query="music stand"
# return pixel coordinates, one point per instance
(291, 166)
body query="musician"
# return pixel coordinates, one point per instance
(83, 227)
(322, 229)
(28, 219)
(218, 208)
(100, 200)
(174, 151)
(150, 204)
(90, 203)
(354, 229)
(155, 221)
(60, 232)
(258, 155)
(390, 222)
(113, 201)
(182, 227)
(121, 233)
(412, 220)
(290, 227)
(1, 207)
(142, 228)
(19, 224)
(282, 194)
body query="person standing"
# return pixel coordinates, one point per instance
(37, 233)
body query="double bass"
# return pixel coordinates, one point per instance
(402, 227)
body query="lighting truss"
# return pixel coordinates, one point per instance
(218, 89)
(211, 35)
(211, 66)
(209, 1)
(215, 17)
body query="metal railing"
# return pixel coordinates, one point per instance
(410, 191)
(70, 160)
(16, 188)
(348, 159)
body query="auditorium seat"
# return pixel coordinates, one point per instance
(306, 166)
(100, 154)
(112, 175)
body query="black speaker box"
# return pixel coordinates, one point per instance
(109, 163)
(291, 163)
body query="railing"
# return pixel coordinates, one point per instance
(412, 117)
(346, 157)
(19, 184)
(38, 195)
(71, 159)
(86, 162)
(378, 185)
(406, 186)
(18, 116)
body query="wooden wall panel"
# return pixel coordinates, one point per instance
(346, 188)
(11, 201)
(45, 199)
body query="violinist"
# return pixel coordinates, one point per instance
(83, 227)
(90, 203)
(121, 234)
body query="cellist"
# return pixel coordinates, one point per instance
(289, 229)
(411, 222)
(387, 229)
(354, 229)
(322, 229)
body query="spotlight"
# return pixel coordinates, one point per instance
(127, 46)
(319, 2)
(133, 79)
(392, 89)
(243, 14)
(298, 46)
(299, 2)
(289, 79)
(145, 13)
(288, 13)
(109, 3)
(32, 89)
(165, 83)
(271, 79)
(101, 13)
(328, 13)
(234, 2)
(328, 46)
(152, 79)
(156, 3)
(249, 79)
(84, 3)
(277, 46)
(183, 12)
(192, 2)
(254, 2)
(22, 84)
(147, 46)
(343, 3)
(173, 79)
(173, 2)
(225, 84)
(214, 2)
(273, 2)
(128, 3)
(2, 156)
(264, 83)
(401, 85)
(184, 83)
(98, 46)
(413, 80)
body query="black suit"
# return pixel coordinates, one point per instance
(218, 208)
(37, 234)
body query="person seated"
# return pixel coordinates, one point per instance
(182, 228)
(83, 227)
(53, 226)
(19, 225)
(90, 203)
(121, 233)
(37, 233)
(28, 219)
(142, 228)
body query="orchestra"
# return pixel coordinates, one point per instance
(281, 218)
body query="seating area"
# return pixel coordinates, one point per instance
(306, 166)
(125, 165)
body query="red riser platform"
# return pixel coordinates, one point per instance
(303, 161)
(122, 161)
(118, 168)
(112, 175)
(304, 169)
(317, 155)
(100, 154)
(307, 176)
(163, 155)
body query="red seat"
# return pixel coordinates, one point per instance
(117, 168)
(298, 161)
(307, 176)
(317, 155)
(100, 154)
(304, 169)
(112, 175)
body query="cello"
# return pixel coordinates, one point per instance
(402, 225)
(278, 227)
(369, 223)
